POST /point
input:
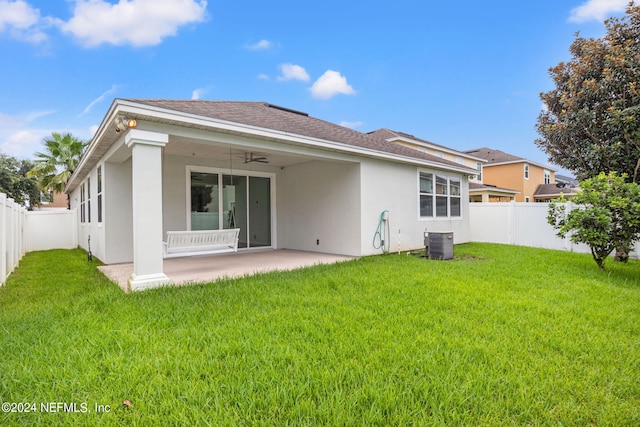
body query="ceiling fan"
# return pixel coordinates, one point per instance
(252, 158)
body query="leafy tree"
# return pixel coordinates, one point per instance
(15, 183)
(608, 217)
(592, 120)
(54, 166)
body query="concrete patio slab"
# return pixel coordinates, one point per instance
(209, 268)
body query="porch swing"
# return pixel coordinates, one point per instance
(203, 242)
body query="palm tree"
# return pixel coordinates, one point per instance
(56, 164)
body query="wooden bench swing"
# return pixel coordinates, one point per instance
(200, 242)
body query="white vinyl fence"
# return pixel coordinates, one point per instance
(12, 235)
(51, 229)
(22, 231)
(521, 224)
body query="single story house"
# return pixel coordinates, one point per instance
(285, 179)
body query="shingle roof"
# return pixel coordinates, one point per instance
(269, 116)
(554, 190)
(388, 134)
(494, 156)
(474, 186)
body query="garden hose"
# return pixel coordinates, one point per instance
(380, 238)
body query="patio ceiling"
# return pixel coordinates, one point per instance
(187, 147)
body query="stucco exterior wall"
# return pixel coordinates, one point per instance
(319, 207)
(90, 229)
(395, 187)
(118, 219)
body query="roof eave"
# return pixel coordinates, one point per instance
(120, 106)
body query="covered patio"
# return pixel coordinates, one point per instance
(202, 269)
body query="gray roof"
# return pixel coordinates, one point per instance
(548, 190)
(269, 116)
(494, 156)
(474, 186)
(567, 180)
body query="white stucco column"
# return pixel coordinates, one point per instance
(146, 183)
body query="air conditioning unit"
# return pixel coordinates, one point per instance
(439, 245)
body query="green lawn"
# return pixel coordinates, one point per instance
(499, 336)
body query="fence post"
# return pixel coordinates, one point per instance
(3, 238)
(10, 235)
(568, 243)
(511, 223)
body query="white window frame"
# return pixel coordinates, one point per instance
(88, 201)
(479, 169)
(99, 197)
(83, 205)
(220, 172)
(547, 176)
(446, 188)
(526, 171)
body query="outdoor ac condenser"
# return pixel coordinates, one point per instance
(439, 245)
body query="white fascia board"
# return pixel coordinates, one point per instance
(437, 147)
(212, 123)
(111, 114)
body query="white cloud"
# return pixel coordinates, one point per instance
(21, 143)
(98, 100)
(351, 125)
(293, 72)
(330, 84)
(22, 21)
(261, 45)
(597, 10)
(93, 129)
(17, 135)
(197, 93)
(133, 22)
(263, 76)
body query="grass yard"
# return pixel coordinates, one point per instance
(499, 336)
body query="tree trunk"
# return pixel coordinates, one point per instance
(622, 253)
(599, 260)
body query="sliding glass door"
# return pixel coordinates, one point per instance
(221, 201)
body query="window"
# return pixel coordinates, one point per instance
(221, 201)
(440, 195)
(82, 204)
(454, 196)
(440, 154)
(426, 194)
(88, 199)
(547, 177)
(479, 169)
(527, 199)
(99, 194)
(459, 160)
(526, 171)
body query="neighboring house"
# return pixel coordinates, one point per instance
(521, 176)
(59, 201)
(561, 188)
(286, 179)
(480, 192)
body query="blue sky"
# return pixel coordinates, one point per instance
(463, 74)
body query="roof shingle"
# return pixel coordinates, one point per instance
(269, 116)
